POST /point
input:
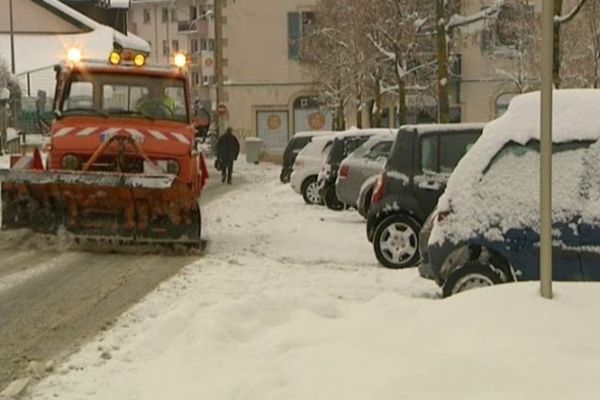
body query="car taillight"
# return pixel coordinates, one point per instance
(344, 171)
(441, 215)
(378, 189)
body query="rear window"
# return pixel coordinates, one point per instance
(441, 153)
(379, 150)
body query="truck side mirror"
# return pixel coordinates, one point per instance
(40, 101)
(201, 122)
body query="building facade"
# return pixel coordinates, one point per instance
(172, 26)
(265, 90)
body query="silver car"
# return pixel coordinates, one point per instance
(358, 172)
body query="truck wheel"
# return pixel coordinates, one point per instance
(396, 242)
(310, 192)
(471, 276)
(331, 200)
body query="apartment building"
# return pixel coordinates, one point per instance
(266, 91)
(171, 26)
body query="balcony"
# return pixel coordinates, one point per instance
(186, 27)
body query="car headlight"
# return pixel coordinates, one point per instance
(71, 162)
(173, 167)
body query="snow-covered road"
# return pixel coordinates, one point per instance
(290, 303)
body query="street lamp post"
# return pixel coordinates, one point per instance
(546, 151)
(12, 37)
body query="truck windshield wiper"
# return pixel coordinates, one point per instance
(87, 110)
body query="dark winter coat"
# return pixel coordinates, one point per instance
(228, 147)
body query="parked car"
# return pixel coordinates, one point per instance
(344, 143)
(486, 230)
(294, 146)
(306, 168)
(415, 176)
(358, 172)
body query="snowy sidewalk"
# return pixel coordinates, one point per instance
(289, 303)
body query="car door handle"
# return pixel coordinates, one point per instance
(430, 185)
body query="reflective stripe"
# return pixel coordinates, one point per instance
(63, 131)
(180, 137)
(110, 131)
(158, 135)
(86, 131)
(137, 135)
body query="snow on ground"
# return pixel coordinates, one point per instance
(290, 304)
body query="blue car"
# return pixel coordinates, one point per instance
(485, 230)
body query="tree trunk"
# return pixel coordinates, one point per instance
(359, 119)
(377, 97)
(442, 67)
(556, 57)
(402, 108)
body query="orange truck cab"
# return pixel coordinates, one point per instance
(122, 162)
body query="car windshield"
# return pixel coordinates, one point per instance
(136, 96)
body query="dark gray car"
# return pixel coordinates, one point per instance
(415, 176)
(358, 172)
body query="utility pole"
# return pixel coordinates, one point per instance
(546, 150)
(12, 38)
(219, 59)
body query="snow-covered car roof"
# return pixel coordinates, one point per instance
(442, 128)
(312, 133)
(354, 131)
(476, 201)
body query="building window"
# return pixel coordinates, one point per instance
(205, 80)
(175, 45)
(146, 16)
(165, 48)
(193, 45)
(195, 78)
(173, 15)
(299, 24)
(165, 14)
(203, 44)
(211, 44)
(193, 13)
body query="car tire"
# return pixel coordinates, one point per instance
(285, 176)
(310, 192)
(331, 200)
(472, 275)
(363, 208)
(396, 241)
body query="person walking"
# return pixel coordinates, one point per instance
(228, 149)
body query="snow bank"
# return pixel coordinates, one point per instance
(290, 304)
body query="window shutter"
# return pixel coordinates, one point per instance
(294, 34)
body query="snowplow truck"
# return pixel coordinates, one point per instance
(121, 165)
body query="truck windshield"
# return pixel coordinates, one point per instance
(136, 96)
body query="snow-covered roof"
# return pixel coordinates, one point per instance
(312, 133)
(442, 128)
(129, 41)
(353, 131)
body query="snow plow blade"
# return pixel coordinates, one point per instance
(113, 207)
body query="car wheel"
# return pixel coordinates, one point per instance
(285, 176)
(396, 242)
(363, 208)
(331, 200)
(310, 192)
(471, 276)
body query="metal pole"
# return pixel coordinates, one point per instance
(12, 38)
(217, 9)
(546, 151)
